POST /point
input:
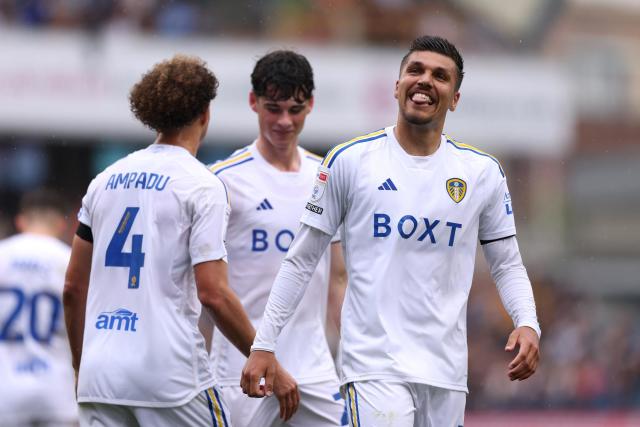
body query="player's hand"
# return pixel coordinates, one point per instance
(286, 390)
(260, 364)
(526, 361)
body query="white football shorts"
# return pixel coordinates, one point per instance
(206, 409)
(379, 403)
(321, 405)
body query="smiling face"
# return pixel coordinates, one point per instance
(426, 89)
(280, 122)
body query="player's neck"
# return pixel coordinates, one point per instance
(187, 138)
(285, 159)
(41, 230)
(418, 140)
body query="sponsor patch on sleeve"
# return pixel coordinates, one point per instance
(321, 182)
(315, 209)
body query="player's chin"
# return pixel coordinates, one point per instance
(283, 138)
(418, 118)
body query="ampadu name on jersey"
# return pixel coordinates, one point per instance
(140, 180)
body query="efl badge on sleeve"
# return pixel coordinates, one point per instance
(457, 189)
(320, 184)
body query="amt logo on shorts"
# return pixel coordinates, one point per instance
(120, 320)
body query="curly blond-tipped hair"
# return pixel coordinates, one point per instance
(173, 94)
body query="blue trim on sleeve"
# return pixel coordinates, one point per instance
(480, 153)
(233, 165)
(337, 153)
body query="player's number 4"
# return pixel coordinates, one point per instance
(115, 257)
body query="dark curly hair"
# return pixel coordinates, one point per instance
(437, 45)
(281, 75)
(173, 94)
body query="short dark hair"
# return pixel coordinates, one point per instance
(174, 93)
(43, 199)
(283, 74)
(437, 45)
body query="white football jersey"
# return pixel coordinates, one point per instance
(411, 228)
(37, 380)
(154, 215)
(266, 205)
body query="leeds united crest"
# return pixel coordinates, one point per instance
(456, 188)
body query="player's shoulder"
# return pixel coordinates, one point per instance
(49, 248)
(474, 155)
(235, 163)
(8, 243)
(310, 156)
(352, 149)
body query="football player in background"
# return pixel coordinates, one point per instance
(413, 204)
(268, 183)
(147, 258)
(36, 379)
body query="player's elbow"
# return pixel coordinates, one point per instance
(214, 297)
(72, 292)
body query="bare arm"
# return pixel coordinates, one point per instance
(286, 293)
(223, 305)
(74, 296)
(337, 286)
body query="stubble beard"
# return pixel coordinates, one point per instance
(416, 119)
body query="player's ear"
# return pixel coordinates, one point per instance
(310, 103)
(205, 117)
(20, 223)
(253, 101)
(454, 101)
(395, 91)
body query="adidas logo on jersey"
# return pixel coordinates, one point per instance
(388, 185)
(264, 206)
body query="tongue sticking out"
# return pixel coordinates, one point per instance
(421, 98)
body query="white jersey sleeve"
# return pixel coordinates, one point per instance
(84, 215)
(496, 218)
(512, 282)
(327, 206)
(208, 225)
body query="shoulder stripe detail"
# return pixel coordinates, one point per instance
(333, 154)
(238, 152)
(217, 171)
(232, 161)
(467, 147)
(312, 156)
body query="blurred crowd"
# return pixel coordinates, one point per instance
(590, 351)
(389, 22)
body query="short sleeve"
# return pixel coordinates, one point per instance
(326, 207)
(86, 209)
(496, 218)
(210, 216)
(338, 236)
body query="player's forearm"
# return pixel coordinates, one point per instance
(231, 319)
(222, 303)
(74, 310)
(512, 282)
(337, 285)
(290, 284)
(74, 296)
